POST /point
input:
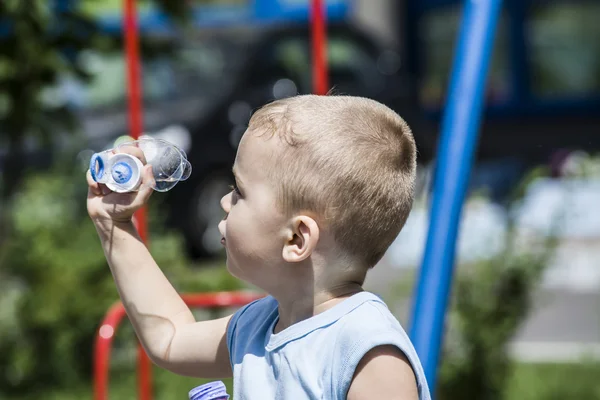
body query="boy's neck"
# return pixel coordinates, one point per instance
(301, 306)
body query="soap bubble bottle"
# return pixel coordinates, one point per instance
(122, 172)
(210, 391)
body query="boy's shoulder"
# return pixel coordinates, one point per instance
(361, 307)
(332, 343)
(371, 312)
(252, 319)
(260, 307)
(364, 315)
(367, 327)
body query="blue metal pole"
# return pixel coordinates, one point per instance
(460, 129)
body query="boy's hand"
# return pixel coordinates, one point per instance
(105, 205)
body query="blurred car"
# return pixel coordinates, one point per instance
(270, 64)
(201, 94)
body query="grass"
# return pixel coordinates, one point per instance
(528, 382)
(555, 381)
(167, 386)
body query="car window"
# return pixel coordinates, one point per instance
(195, 69)
(438, 31)
(352, 68)
(108, 84)
(564, 48)
(290, 54)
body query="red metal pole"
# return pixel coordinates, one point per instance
(102, 347)
(134, 90)
(144, 375)
(319, 48)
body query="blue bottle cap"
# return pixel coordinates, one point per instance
(97, 167)
(121, 172)
(210, 391)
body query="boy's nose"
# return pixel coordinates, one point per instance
(226, 202)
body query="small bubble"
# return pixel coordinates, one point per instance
(83, 159)
(123, 139)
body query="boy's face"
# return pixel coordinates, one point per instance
(252, 230)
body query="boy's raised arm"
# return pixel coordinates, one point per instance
(162, 321)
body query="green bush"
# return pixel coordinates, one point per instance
(568, 381)
(55, 285)
(491, 300)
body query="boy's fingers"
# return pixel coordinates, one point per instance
(98, 189)
(148, 181)
(93, 185)
(146, 187)
(133, 150)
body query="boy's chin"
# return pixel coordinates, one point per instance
(232, 269)
(238, 273)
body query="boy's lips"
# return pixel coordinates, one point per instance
(222, 231)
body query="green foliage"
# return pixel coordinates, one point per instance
(177, 9)
(55, 285)
(37, 49)
(54, 282)
(167, 386)
(40, 46)
(491, 299)
(527, 382)
(554, 381)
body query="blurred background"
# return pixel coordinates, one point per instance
(524, 321)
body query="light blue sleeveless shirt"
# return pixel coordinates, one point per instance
(315, 358)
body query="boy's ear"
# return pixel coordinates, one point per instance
(302, 236)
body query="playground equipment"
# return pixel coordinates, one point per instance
(460, 129)
(115, 316)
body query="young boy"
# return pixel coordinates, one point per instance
(323, 186)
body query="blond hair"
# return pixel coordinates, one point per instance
(349, 160)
